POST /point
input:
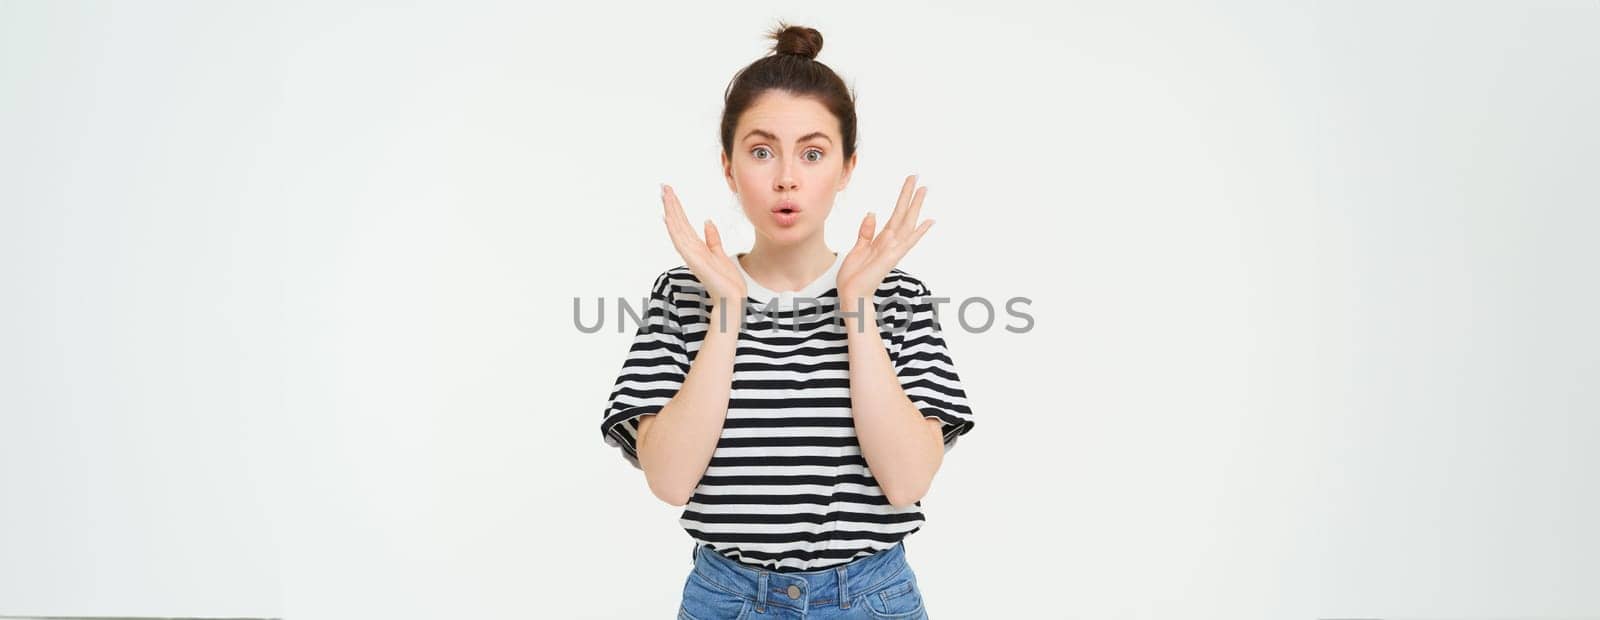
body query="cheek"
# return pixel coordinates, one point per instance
(747, 177)
(748, 203)
(822, 186)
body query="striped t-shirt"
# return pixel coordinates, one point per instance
(787, 487)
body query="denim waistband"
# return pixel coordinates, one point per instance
(835, 585)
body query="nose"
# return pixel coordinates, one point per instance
(786, 180)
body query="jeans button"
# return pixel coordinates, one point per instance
(794, 591)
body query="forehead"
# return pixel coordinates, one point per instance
(787, 116)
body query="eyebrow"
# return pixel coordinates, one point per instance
(769, 136)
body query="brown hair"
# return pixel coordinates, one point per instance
(791, 67)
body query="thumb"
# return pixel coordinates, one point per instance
(714, 239)
(868, 225)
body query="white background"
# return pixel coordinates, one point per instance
(287, 322)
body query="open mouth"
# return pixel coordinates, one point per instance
(786, 213)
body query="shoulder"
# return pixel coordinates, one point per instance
(675, 278)
(902, 283)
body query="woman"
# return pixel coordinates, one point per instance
(797, 402)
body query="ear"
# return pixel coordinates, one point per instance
(849, 167)
(727, 171)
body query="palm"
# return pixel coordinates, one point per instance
(865, 266)
(710, 264)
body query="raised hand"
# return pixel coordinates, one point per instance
(864, 268)
(715, 269)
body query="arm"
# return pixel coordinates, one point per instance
(676, 444)
(902, 448)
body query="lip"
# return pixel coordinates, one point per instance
(786, 219)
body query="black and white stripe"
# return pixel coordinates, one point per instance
(787, 488)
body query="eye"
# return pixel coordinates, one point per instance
(817, 158)
(758, 150)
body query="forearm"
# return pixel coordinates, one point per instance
(675, 445)
(902, 448)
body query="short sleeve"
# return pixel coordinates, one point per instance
(927, 373)
(654, 369)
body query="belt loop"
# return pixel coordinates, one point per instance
(844, 590)
(761, 591)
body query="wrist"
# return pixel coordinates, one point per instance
(858, 314)
(852, 300)
(729, 299)
(726, 317)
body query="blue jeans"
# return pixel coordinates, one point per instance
(880, 585)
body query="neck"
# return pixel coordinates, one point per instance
(789, 266)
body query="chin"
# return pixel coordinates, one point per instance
(788, 235)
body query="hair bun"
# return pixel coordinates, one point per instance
(796, 40)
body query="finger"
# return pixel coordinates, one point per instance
(714, 239)
(914, 212)
(678, 245)
(679, 218)
(887, 239)
(899, 246)
(674, 208)
(868, 226)
(680, 241)
(666, 209)
(684, 239)
(901, 203)
(917, 236)
(666, 220)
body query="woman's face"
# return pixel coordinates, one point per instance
(787, 166)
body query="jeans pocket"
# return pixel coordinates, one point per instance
(703, 600)
(901, 599)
